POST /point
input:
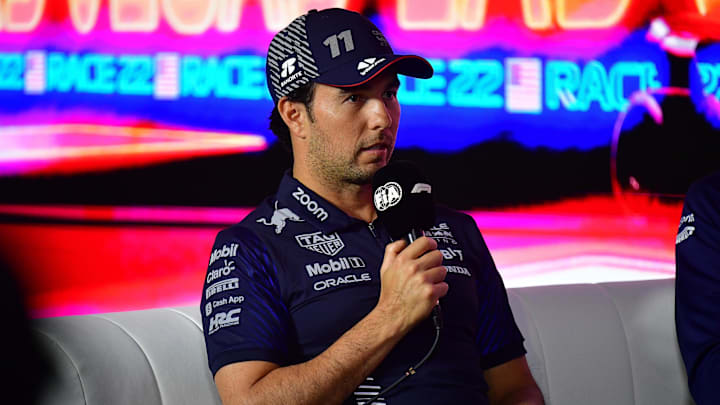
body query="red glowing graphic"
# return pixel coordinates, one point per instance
(70, 148)
(101, 259)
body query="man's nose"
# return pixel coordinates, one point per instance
(380, 115)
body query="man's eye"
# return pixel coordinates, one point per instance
(391, 94)
(353, 98)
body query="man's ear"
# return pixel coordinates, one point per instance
(294, 115)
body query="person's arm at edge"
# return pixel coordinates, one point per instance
(334, 374)
(511, 383)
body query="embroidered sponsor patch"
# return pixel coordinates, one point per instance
(342, 263)
(328, 245)
(683, 235)
(279, 218)
(224, 319)
(442, 233)
(220, 286)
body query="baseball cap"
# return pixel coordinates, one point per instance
(337, 47)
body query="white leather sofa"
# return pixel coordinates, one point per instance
(611, 343)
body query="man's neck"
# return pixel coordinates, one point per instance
(353, 199)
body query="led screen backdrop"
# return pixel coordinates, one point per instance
(90, 84)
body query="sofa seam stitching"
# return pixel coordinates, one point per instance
(147, 359)
(72, 361)
(525, 305)
(184, 315)
(604, 290)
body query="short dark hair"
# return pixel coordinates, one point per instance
(303, 94)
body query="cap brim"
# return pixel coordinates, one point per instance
(349, 74)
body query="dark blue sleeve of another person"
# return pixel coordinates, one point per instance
(697, 294)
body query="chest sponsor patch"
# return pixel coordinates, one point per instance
(458, 270)
(342, 280)
(312, 207)
(442, 234)
(451, 254)
(328, 245)
(342, 263)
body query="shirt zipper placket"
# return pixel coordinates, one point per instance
(371, 227)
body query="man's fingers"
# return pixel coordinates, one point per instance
(435, 274)
(419, 247)
(394, 249)
(430, 259)
(440, 289)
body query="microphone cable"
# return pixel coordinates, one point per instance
(437, 321)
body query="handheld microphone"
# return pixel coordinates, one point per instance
(404, 203)
(403, 200)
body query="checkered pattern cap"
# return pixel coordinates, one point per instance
(336, 47)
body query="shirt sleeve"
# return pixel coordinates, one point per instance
(498, 337)
(244, 316)
(697, 289)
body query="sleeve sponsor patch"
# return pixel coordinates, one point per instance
(684, 234)
(688, 230)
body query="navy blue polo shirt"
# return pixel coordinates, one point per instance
(296, 273)
(697, 288)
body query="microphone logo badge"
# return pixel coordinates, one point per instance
(387, 195)
(421, 188)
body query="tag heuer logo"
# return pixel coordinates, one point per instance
(328, 245)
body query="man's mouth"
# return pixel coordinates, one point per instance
(377, 146)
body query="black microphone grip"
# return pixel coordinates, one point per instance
(411, 237)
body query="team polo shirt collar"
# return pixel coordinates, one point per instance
(311, 207)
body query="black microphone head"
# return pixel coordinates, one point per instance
(403, 199)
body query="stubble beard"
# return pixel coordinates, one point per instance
(337, 172)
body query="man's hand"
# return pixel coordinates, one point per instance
(412, 281)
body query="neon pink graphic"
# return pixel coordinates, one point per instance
(73, 148)
(190, 16)
(23, 15)
(134, 15)
(583, 14)
(575, 241)
(84, 14)
(537, 13)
